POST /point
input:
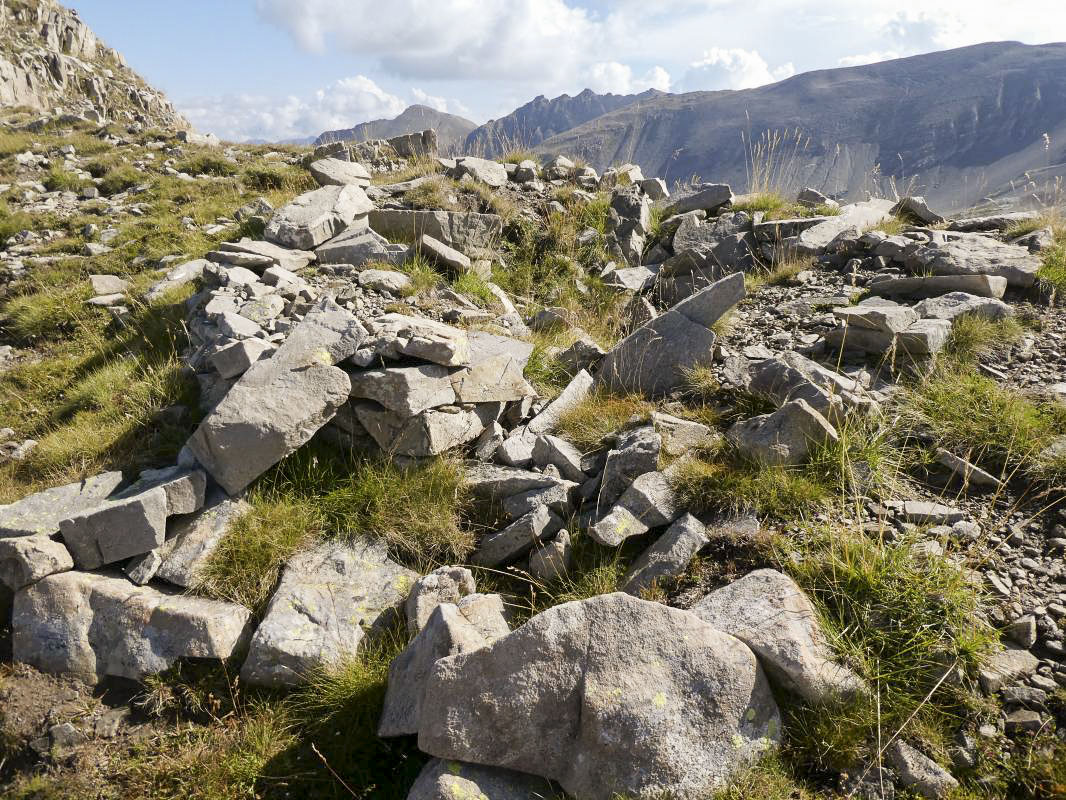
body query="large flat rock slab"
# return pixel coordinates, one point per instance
(41, 513)
(96, 625)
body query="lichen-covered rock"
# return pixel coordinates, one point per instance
(608, 696)
(329, 598)
(452, 780)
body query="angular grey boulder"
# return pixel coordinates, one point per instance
(937, 285)
(656, 358)
(27, 559)
(453, 780)
(117, 529)
(334, 172)
(918, 771)
(518, 538)
(770, 613)
(314, 217)
(668, 557)
(551, 560)
(280, 403)
(476, 235)
(585, 680)
(954, 304)
(491, 173)
(358, 245)
(707, 197)
(397, 335)
(785, 437)
(447, 632)
(42, 512)
(329, 598)
(95, 625)
(635, 452)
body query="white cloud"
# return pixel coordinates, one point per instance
(343, 104)
(438, 103)
(611, 76)
(868, 58)
(443, 39)
(733, 68)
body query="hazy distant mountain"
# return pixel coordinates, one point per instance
(451, 130)
(542, 118)
(960, 125)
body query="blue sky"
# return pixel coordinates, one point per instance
(278, 69)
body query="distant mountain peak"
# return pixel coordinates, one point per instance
(451, 129)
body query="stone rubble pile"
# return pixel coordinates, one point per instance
(307, 334)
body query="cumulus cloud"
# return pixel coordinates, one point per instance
(733, 68)
(611, 76)
(426, 99)
(443, 39)
(343, 104)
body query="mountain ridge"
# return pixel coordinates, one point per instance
(451, 129)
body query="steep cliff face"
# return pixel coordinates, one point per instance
(962, 126)
(52, 62)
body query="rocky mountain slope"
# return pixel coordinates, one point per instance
(50, 61)
(451, 130)
(313, 464)
(542, 118)
(958, 126)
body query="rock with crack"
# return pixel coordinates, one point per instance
(432, 432)
(792, 376)
(569, 398)
(359, 245)
(770, 613)
(315, 217)
(648, 503)
(816, 238)
(442, 585)
(551, 560)
(937, 285)
(280, 403)
(785, 437)
(584, 680)
(261, 256)
(41, 513)
(475, 622)
(453, 780)
(490, 173)
(116, 529)
(493, 482)
(657, 357)
(450, 259)
(668, 557)
(328, 600)
(707, 197)
(396, 335)
(97, 625)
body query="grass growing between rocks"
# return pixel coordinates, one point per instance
(599, 415)
(992, 426)
(323, 492)
(908, 625)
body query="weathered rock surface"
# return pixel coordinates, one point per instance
(585, 680)
(27, 559)
(668, 557)
(317, 216)
(192, 539)
(770, 613)
(452, 780)
(920, 772)
(442, 585)
(974, 254)
(656, 357)
(42, 512)
(117, 529)
(280, 403)
(334, 172)
(329, 598)
(785, 437)
(447, 632)
(95, 625)
(475, 235)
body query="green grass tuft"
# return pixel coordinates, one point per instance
(589, 423)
